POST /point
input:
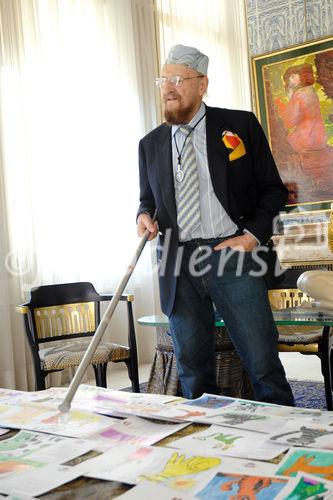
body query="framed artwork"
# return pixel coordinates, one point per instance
(294, 103)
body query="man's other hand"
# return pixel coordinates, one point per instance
(244, 243)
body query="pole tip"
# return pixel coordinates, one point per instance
(64, 407)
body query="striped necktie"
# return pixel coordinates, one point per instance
(188, 217)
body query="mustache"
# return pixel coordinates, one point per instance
(169, 95)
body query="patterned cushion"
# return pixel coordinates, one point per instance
(222, 340)
(58, 358)
(299, 335)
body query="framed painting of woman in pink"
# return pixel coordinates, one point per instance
(294, 103)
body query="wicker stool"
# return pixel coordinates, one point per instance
(231, 376)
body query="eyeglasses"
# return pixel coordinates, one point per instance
(176, 80)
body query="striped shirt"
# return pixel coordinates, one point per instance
(215, 222)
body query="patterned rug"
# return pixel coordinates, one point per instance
(307, 394)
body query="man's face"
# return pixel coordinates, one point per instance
(180, 103)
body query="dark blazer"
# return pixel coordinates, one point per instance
(249, 188)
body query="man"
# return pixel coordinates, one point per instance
(211, 178)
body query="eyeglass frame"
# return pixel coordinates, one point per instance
(160, 81)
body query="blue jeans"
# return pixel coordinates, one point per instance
(224, 279)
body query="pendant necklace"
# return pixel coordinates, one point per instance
(180, 173)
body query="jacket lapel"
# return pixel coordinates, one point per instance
(217, 155)
(165, 171)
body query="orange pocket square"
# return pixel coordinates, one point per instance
(234, 144)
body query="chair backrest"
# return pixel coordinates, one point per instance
(64, 320)
(282, 298)
(282, 287)
(63, 311)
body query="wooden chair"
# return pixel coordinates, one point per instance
(69, 313)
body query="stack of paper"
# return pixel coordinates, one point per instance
(246, 449)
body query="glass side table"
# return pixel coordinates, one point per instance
(231, 376)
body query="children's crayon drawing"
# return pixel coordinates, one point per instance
(315, 462)
(37, 417)
(230, 442)
(304, 487)
(136, 430)
(179, 465)
(247, 421)
(307, 435)
(175, 469)
(240, 487)
(211, 401)
(32, 450)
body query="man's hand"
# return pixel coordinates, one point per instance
(146, 222)
(244, 243)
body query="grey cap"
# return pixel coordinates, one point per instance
(190, 56)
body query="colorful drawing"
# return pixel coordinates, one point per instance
(15, 451)
(139, 408)
(241, 418)
(73, 417)
(219, 440)
(26, 413)
(24, 443)
(140, 454)
(240, 487)
(179, 465)
(226, 441)
(179, 412)
(304, 436)
(121, 437)
(136, 430)
(182, 484)
(36, 417)
(212, 402)
(308, 488)
(108, 399)
(249, 406)
(107, 406)
(8, 395)
(316, 462)
(10, 466)
(299, 412)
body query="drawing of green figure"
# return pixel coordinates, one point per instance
(226, 441)
(179, 465)
(306, 488)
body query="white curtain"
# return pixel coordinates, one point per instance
(219, 29)
(76, 94)
(71, 111)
